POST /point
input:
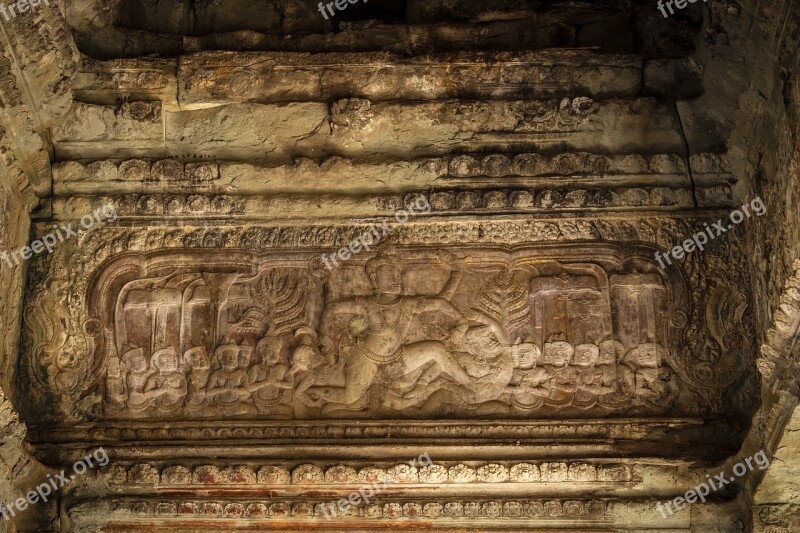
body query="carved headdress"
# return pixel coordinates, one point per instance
(383, 260)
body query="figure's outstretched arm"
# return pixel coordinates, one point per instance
(456, 274)
(335, 309)
(150, 384)
(182, 387)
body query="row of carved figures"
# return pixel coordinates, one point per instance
(521, 375)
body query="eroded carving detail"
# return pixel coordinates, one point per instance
(350, 112)
(428, 333)
(567, 115)
(249, 510)
(578, 472)
(68, 350)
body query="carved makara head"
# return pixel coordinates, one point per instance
(165, 360)
(196, 358)
(586, 355)
(557, 353)
(385, 274)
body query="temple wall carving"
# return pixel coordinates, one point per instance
(159, 326)
(520, 332)
(421, 331)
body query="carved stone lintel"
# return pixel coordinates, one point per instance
(274, 364)
(121, 511)
(522, 332)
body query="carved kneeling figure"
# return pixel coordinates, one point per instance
(228, 387)
(166, 386)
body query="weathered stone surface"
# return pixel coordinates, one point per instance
(532, 173)
(106, 82)
(358, 128)
(132, 128)
(225, 77)
(677, 78)
(519, 328)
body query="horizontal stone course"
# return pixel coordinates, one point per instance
(223, 77)
(366, 131)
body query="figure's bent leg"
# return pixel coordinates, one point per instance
(358, 377)
(359, 374)
(424, 379)
(423, 352)
(410, 380)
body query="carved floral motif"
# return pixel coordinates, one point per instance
(249, 510)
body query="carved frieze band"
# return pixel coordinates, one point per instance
(488, 509)
(584, 329)
(532, 181)
(239, 475)
(109, 431)
(443, 201)
(425, 333)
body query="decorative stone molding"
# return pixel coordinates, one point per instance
(485, 509)
(458, 474)
(444, 202)
(532, 181)
(365, 432)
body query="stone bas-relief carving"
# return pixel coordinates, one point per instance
(66, 332)
(532, 333)
(486, 511)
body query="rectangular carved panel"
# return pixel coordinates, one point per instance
(543, 331)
